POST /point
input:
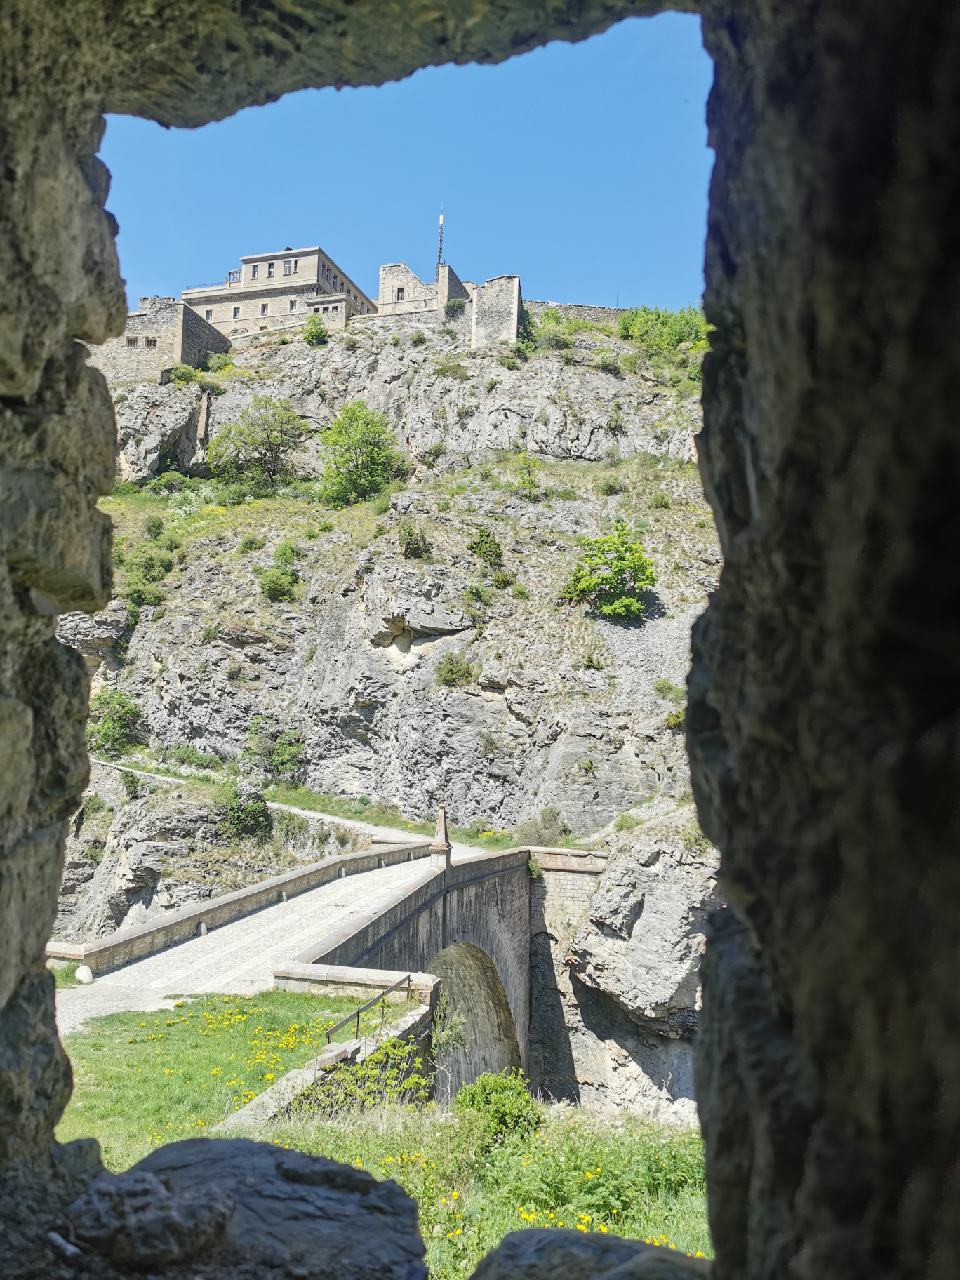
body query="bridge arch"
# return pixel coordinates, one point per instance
(475, 1031)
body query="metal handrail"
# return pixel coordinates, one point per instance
(408, 979)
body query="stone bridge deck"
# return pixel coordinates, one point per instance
(241, 956)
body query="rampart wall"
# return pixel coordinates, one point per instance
(575, 311)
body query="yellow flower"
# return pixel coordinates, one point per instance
(269, 1076)
(216, 1071)
(168, 1071)
(455, 1195)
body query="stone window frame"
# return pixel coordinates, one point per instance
(208, 313)
(271, 270)
(236, 313)
(150, 342)
(399, 293)
(293, 304)
(133, 342)
(264, 308)
(255, 271)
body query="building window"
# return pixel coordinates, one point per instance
(149, 342)
(233, 277)
(296, 265)
(263, 308)
(399, 294)
(263, 328)
(316, 310)
(254, 271)
(288, 267)
(325, 310)
(334, 308)
(293, 304)
(236, 313)
(208, 314)
(131, 342)
(271, 267)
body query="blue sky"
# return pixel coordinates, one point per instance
(583, 168)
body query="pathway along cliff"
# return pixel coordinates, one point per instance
(419, 652)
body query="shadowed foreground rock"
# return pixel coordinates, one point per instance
(574, 1255)
(251, 1206)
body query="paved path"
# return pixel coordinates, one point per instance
(240, 956)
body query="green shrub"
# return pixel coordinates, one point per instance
(153, 526)
(315, 332)
(363, 457)
(94, 804)
(447, 331)
(279, 584)
(675, 719)
(660, 501)
(149, 563)
(454, 671)
(519, 591)
(503, 578)
(414, 544)
(565, 494)
(417, 338)
(138, 592)
(258, 447)
(500, 1106)
(547, 828)
(276, 752)
(593, 661)
(183, 373)
(393, 1073)
(250, 542)
(286, 555)
(433, 453)
(245, 815)
(491, 385)
(217, 361)
(454, 307)
(528, 478)
(486, 546)
(168, 481)
(450, 367)
(131, 785)
(663, 332)
(125, 489)
(508, 361)
(669, 691)
(184, 753)
(477, 593)
(349, 342)
(608, 486)
(114, 724)
(607, 362)
(610, 575)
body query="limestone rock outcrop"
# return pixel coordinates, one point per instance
(544, 1255)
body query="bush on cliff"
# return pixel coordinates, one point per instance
(315, 332)
(260, 445)
(362, 456)
(611, 575)
(114, 723)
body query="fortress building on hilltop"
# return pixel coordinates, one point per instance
(490, 312)
(271, 292)
(268, 290)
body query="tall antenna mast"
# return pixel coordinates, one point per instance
(440, 241)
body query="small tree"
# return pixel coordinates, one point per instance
(362, 455)
(260, 443)
(486, 546)
(315, 332)
(611, 573)
(114, 722)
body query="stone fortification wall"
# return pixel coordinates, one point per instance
(575, 311)
(417, 294)
(449, 287)
(496, 311)
(197, 338)
(161, 333)
(150, 343)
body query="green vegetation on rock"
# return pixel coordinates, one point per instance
(611, 574)
(315, 332)
(258, 448)
(114, 724)
(362, 456)
(454, 671)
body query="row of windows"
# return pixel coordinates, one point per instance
(147, 342)
(291, 267)
(264, 311)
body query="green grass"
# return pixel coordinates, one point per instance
(142, 1079)
(64, 972)
(630, 1179)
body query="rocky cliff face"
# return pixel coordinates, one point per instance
(554, 709)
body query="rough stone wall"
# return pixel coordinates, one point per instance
(417, 294)
(496, 311)
(157, 319)
(197, 338)
(823, 724)
(824, 691)
(575, 311)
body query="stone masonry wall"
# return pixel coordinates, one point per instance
(198, 339)
(417, 294)
(575, 311)
(496, 311)
(158, 320)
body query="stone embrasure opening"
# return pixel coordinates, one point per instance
(821, 724)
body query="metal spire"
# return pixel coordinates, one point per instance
(440, 241)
